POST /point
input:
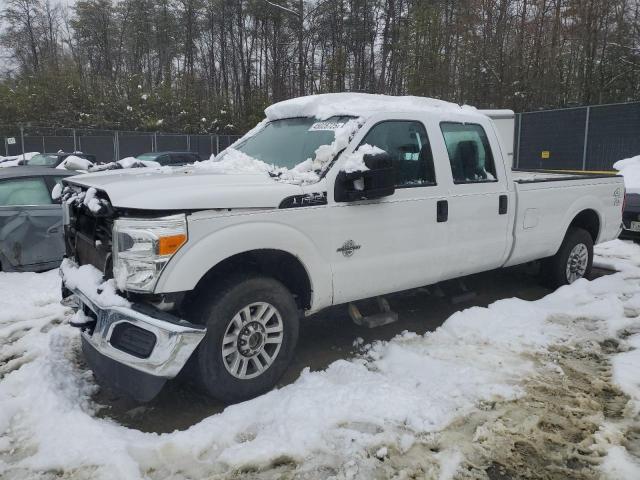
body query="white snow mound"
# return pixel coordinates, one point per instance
(359, 105)
(350, 414)
(12, 161)
(354, 162)
(629, 168)
(73, 162)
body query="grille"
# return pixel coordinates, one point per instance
(628, 217)
(89, 239)
(133, 340)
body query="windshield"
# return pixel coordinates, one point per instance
(290, 141)
(43, 159)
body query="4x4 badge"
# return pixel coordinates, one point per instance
(348, 248)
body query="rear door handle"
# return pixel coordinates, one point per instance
(442, 211)
(503, 205)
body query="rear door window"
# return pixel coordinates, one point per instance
(469, 152)
(24, 191)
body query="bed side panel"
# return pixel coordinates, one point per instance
(546, 209)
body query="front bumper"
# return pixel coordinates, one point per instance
(628, 216)
(135, 349)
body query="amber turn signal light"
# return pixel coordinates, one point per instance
(170, 245)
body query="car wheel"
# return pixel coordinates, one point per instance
(252, 330)
(573, 260)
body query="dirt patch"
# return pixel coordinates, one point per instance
(548, 434)
(551, 433)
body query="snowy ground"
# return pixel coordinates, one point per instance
(544, 389)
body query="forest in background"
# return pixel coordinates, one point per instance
(202, 66)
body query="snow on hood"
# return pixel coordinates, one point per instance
(187, 188)
(629, 168)
(359, 105)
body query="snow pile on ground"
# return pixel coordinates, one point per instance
(616, 255)
(619, 463)
(342, 421)
(329, 105)
(13, 161)
(629, 168)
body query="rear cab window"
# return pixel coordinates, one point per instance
(24, 191)
(469, 152)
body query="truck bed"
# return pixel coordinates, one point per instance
(548, 201)
(536, 176)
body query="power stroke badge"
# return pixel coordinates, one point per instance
(348, 248)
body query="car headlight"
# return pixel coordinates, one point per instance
(142, 248)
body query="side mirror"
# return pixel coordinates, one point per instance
(376, 182)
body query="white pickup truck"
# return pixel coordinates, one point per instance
(332, 199)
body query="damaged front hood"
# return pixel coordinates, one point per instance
(187, 189)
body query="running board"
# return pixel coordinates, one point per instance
(457, 291)
(385, 317)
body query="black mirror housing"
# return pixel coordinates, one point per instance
(376, 182)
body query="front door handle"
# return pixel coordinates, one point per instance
(503, 205)
(442, 211)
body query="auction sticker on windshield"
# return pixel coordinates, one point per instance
(321, 126)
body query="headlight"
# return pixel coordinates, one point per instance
(142, 248)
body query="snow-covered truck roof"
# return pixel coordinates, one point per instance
(364, 105)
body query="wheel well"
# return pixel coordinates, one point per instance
(588, 220)
(278, 264)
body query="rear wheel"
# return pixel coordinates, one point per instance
(573, 260)
(252, 329)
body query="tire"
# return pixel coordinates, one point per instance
(569, 264)
(233, 314)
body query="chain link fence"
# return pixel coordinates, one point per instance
(107, 145)
(580, 138)
(583, 138)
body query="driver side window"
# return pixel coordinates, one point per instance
(407, 143)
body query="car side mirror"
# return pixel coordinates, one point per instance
(376, 182)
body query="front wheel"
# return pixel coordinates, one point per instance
(573, 260)
(252, 329)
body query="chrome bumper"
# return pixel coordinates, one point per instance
(175, 339)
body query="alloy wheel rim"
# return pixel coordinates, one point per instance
(577, 262)
(252, 340)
